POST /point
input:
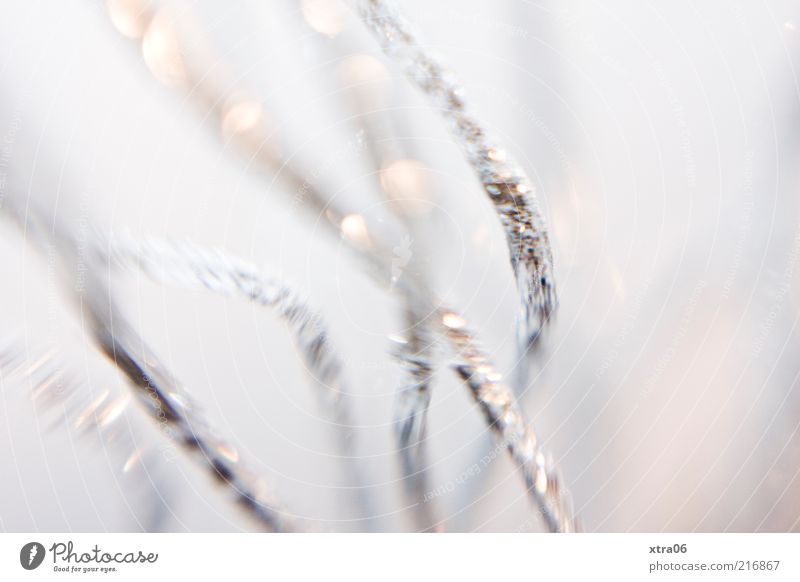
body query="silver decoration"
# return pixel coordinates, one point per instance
(531, 259)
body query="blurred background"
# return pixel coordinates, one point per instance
(663, 140)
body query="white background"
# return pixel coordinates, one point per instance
(663, 139)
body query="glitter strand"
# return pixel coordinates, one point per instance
(414, 352)
(503, 415)
(508, 188)
(191, 266)
(162, 397)
(168, 403)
